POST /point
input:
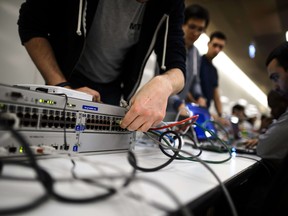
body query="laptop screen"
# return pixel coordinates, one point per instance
(203, 119)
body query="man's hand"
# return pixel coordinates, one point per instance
(201, 101)
(147, 109)
(251, 143)
(183, 110)
(148, 105)
(95, 94)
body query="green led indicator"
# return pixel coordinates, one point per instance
(21, 149)
(51, 102)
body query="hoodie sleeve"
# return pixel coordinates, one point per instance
(35, 18)
(175, 52)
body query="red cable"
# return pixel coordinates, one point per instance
(193, 118)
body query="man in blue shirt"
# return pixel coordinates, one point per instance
(208, 72)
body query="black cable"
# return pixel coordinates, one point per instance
(103, 196)
(193, 157)
(134, 165)
(47, 181)
(214, 135)
(180, 157)
(111, 190)
(131, 156)
(41, 174)
(183, 209)
(220, 126)
(259, 161)
(204, 163)
(64, 116)
(43, 177)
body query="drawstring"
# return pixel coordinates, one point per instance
(78, 31)
(163, 67)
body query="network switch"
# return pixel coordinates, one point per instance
(65, 124)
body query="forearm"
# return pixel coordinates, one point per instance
(217, 101)
(173, 81)
(43, 57)
(218, 107)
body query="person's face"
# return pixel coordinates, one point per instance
(193, 28)
(214, 47)
(240, 114)
(279, 77)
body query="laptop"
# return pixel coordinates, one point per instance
(211, 142)
(205, 139)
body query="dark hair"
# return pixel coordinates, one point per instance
(218, 34)
(281, 54)
(238, 107)
(198, 12)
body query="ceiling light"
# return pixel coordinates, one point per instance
(286, 35)
(252, 50)
(224, 99)
(242, 102)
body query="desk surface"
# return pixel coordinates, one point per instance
(187, 180)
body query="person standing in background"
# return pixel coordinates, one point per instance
(242, 129)
(208, 72)
(101, 47)
(196, 22)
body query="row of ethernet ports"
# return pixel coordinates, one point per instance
(31, 120)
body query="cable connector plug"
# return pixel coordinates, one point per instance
(124, 104)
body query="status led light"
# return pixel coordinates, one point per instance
(50, 102)
(2, 106)
(21, 149)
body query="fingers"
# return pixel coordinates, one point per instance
(251, 143)
(95, 94)
(148, 105)
(141, 120)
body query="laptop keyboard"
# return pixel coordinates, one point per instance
(219, 147)
(212, 146)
